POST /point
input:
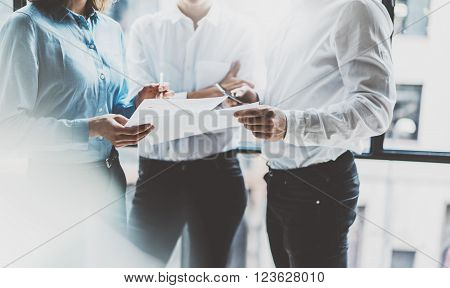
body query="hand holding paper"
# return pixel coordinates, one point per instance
(111, 127)
(264, 122)
(181, 118)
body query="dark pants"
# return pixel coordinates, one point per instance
(209, 195)
(309, 213)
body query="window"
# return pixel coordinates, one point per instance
(403, 259)
(410, 17)
(405, 125)
(6, 8)
(421, 116)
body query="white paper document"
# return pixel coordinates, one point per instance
(181, 118)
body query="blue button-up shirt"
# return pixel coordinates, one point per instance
(58, 70)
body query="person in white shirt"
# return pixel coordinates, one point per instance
(195, 180)
(330, 88)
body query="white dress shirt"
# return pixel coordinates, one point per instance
(191, 59)
(332, 73)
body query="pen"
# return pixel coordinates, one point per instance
(225, 93)
(161, 78)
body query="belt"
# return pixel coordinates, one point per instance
(343, 160)
(224, 155)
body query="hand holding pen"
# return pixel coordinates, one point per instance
(237, 90)
(159, 90)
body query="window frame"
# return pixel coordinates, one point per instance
(17, 4)
(377, 150)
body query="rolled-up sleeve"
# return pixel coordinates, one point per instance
(19, 86)
(363, 52)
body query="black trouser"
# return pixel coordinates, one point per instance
(309, 213)
(209, 195)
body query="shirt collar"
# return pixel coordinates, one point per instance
(60, 12)
(174, 14)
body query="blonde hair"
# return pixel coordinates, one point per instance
(99, 5)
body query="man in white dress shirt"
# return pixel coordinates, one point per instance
(195, 180)
(330, 88)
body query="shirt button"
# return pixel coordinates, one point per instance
(100, 110)
(102, 76)
(318, 202)
(92, 46)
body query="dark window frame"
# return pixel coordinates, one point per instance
(19, 4)
(377, 150)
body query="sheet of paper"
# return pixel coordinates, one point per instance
(185, 118)
(151, 107)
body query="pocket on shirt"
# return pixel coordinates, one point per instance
(209, 73)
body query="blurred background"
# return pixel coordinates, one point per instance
(409, 199)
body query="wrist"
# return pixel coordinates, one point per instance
(204, 93)
(286, 122)
(295, 126)
(190, 95)
(137, 100)
(93, 130)
(215, 91)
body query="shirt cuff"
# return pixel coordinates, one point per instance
(182, 95)
(129, 109)
(80, 132)
(296, 126)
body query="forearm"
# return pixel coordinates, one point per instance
(339, 125)
(209, 92)
(45, 133)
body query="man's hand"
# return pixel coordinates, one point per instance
(230, 82)
(245, 94)
(265, 122)
(243, 90)
(112, 128)
(154, 91)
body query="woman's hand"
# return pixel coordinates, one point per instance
(112, 128)
(154, 91)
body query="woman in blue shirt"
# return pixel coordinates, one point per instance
(63, 100)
